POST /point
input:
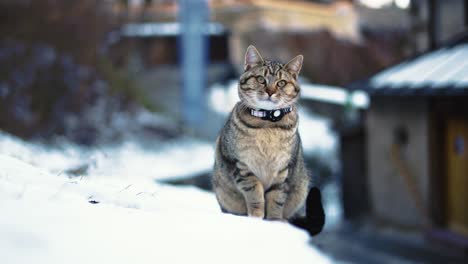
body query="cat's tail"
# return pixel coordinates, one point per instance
(314, 219)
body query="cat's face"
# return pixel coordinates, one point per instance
(269, 85)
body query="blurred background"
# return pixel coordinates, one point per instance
(384, 107)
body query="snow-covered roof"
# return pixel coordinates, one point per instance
(440, 72)
(165, 29)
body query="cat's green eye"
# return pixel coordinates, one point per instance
(281, 83)
(260, 79)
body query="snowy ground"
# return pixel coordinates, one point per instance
(116, 213)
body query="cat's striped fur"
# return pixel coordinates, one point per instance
(259, 168)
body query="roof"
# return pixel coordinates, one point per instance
(440, 72)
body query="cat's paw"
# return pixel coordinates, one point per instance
(274, 216)
(257, 213)
(276, 219)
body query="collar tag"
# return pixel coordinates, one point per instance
(271, 115)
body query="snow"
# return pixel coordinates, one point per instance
(165, 29)
(316, 133)
(332, 205)
(127, 160)
(116, 216)
(335, 95)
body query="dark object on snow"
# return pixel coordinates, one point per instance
(77, 171)
(93, 202)
(314, 220)
(202, 181)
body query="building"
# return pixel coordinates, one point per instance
(249, 17)
(414, 170)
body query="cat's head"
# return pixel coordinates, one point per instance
(268, 84)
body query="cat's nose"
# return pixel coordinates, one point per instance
(270, 91)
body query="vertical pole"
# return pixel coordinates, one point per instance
(466, 14)
(415, 19)
(434, 24)
(193, 19)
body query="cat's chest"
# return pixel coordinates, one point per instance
(267, 153)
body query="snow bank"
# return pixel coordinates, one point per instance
(153, 160)
(50, 219)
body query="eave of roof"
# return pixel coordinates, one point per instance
(442, 72)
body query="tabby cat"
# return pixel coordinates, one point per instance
(259, 168)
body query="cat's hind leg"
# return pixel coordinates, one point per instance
(296, 198)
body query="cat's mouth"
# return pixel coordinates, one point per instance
(269, 99)
(267, 104)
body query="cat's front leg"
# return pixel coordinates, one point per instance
(276, 195)
(252, 189)
(275, 198)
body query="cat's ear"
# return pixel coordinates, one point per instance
(252, 58)
(294, 66)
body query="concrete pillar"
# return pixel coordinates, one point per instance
(193, 50)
